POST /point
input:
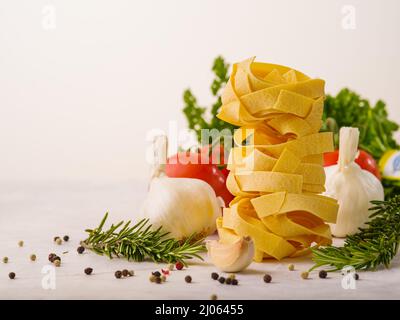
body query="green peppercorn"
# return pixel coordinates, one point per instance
(152, 278)
(57, 263)
(20, 243)
(232, 276)
(125, 272)
(88, 271)
(214, 297)
(80, 249)
(291, 267)
(11, 275)
(171, 267)
(267, 278)
(214, 276)
(304, 275)
(33, 257)
(5, 260)
(188, 279)
(59, 241)
(323, 274)
(131, 273)
(56, 238)
(66, 238)
(221, 280)
(163, 278)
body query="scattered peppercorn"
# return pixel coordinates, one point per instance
(57, 262)
(11, 275)
(291, 267)
(88, 271)
(152, 278)
(235, 282)
(59, 241)
(304, 275)
(165, 272)
(118, 274)
(156, 273)
(20, 243)
(188, 279)
(228, 281)
(158, 280)
(232, 276)
(52, 256)
(125, 272)
(55, 238)
(5, 260)
(131, 273)
(214, 276)
(221, 280)
(66, 238)
(179, 265)
(33, 257)
(171, 267)
(267, 278)
(56, 258)
(80, 249)
(214, 297)
(323, 274)
(163, 278)
(356, 276)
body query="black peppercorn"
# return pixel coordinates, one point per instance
(66, 238)
(80, 249)
(356, 276)
(125, 273)
(214, 276)
(188, 279)
(228, 281)
(221, 280)
(323, 274)
(11, 275)
(235, 282)
(156, 273)
(52, 256)
(118, 274)
(267, 278)
(158, 280)
(88, 271)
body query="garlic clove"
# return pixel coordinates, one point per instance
(232, 257)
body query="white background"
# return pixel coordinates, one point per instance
(76, 101)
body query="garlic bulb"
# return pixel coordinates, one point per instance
(232, 257)
(352, 186)
(181, 206)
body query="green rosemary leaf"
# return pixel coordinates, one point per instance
(141, 242)
(373, 246)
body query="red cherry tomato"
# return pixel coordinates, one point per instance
(364, 160)
(191, 165)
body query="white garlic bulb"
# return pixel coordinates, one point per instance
(352, 186)
(181, 206)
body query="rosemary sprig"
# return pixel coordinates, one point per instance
(375, 245)
(140, 242)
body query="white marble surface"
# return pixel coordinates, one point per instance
(36, 212)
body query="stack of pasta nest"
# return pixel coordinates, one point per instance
(276, 165)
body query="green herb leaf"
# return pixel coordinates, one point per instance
(375, 245)
(140, 242)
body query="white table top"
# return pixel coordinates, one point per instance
(36, 212)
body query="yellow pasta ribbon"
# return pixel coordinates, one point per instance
(276, 172)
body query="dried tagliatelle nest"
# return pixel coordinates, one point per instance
(276, 166)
